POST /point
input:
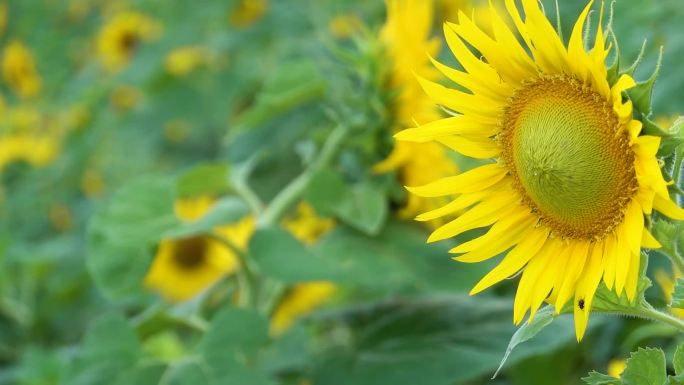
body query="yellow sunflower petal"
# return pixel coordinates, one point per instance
(474, 180)
(648, 240)
(665, 206)
(586, 288)
(514, 260)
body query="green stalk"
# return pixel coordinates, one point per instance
(649, 312)
(247, 279)
(293, 191)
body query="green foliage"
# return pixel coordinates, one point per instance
(123, 235)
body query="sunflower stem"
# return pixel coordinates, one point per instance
(247, 280)
(649, 312)
(293, 191)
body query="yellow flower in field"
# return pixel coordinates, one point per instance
(182, 268)
(304, 297)
(184, 60)
(125, 97)
(300, 300)
(34, 149)
(4, 15)
(121, 37)
(616, 367)
(306, 225)
(19, 70)
(246, 12)
(406, 36)
(667, 283)
(570, 176)
(61, 217)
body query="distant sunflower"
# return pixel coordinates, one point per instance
(571, 177)
(19, 69)
(121, 37)
(182, 268)
(406, 36)
(303, 297)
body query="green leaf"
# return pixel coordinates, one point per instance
(187, 373)
(293, 84)
(109, 348)
(596, 378)
(607, 300)
(646, 366)
(206, 179)
(642, 93)
(678, 360)
(231, 345)
(678, 295)
(225, 211)
(123, 234)
(144, 374)
(675, 380)
(427, 341)
(362, 206)
(281, 256)
(528, 330)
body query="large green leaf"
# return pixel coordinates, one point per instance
(279, 255)
(431, 341)
(123, 234)
(109, 348)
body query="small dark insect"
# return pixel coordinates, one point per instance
(580, 303)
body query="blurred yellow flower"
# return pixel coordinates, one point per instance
(121, 37)
(666, 281)
(478, 8)
(304, 297)
(406, 36)
(345, 25)
(306, 225)
(300, 300)
(182, 268)
(125, 97)
(19, 70)
(92, 184)
(246, 12)
(616, 367)
(36, 150)
(184, 60)
(4, 15)
(176, 130)
(61, 217)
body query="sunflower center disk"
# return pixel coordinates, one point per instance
(568, 160)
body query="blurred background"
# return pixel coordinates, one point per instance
(179, 203)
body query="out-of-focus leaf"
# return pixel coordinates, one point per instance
(225, 211)
(361, 205)
(187, 372)
(230, 346)
(122, 235)
(281, 256)
(205, 179)
(430, 341)
(110, 347)
(144, 374)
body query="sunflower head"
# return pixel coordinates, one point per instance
(183, 268)
(568, 175)
(121, 37)
(19, 70)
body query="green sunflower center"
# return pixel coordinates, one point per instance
(190, 253)
(571, 163)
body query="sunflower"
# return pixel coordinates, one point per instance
(303, 297)
(569, 177)
(28, 136)
(247, 12)
(406, 36)
(121, 37)
(19, 70)
(182, 268)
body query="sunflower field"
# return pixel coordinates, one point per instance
(341, 192)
